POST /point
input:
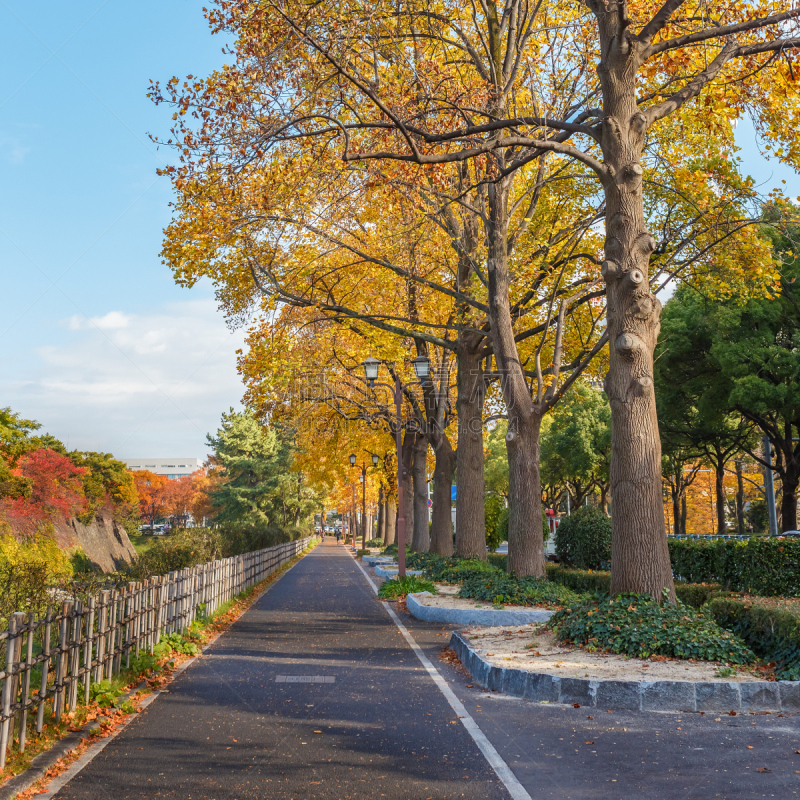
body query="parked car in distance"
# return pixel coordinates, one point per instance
(787, 533)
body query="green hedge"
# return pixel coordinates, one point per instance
(583, 539)
(500, 587)
(767, 567)
(691, 594)
(499, 560)
(774, 636)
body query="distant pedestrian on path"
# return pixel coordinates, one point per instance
(338, 536)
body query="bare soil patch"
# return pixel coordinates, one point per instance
(531, 648)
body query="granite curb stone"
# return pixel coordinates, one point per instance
(471, 616)
(716, 696)
(392, 571)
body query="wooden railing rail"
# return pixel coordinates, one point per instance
(54, 656)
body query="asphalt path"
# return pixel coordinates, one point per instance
(228, 728)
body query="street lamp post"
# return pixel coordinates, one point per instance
(363, 479)
(422, 369)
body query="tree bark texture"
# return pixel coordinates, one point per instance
(639, 554)
(421, 540)
(525, 539)
(470, 488)
(789, 483)
(739, 498)
(441, 521)
(719, 491)
(390, 524)
(381, 533)
(409, 440)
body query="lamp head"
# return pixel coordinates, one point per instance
(352, 459)
(374, 459)
(371, 366)
(422, 367)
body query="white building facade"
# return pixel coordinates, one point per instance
(169, 467)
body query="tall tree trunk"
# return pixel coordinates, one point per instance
(421, 539)
(789, 483)
(639, 554)
(683, 513)
(381, 533)
(409, 440)
(441, 518)
(470, 489)
(676, 509)
(719, 490)
(390, 524)
(739, 498)
(525, 540)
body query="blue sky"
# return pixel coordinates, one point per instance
(96, 341)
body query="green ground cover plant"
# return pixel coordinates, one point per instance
(399, 587)
(772, 634)
(635, 625)
(374, 543)
(502, 588)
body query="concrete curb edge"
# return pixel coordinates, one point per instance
(712, 696)
(468, 616)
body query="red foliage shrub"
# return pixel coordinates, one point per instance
(57, 492)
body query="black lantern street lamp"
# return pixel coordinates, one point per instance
(363, 479)
(422, 369)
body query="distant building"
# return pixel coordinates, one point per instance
(170, 467)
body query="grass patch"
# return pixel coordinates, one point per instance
(399, 587)
(500, 588)
(143, 542)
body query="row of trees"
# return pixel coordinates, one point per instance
(43, 485)
(727, 376)
(500, 188)
(250, 485)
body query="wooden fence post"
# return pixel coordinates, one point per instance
(43, 694)
(61, 661)
(8, 688)
(73, 663)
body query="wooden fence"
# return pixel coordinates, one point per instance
(51, 656)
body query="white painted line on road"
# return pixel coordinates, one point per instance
(496, 762)
(305, 679)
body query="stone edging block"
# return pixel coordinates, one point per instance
(373, 560)
(472, 616)
(381, 572)
(541, 687)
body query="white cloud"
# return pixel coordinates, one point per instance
(108, 322)
(135, 385)
(13, 150)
